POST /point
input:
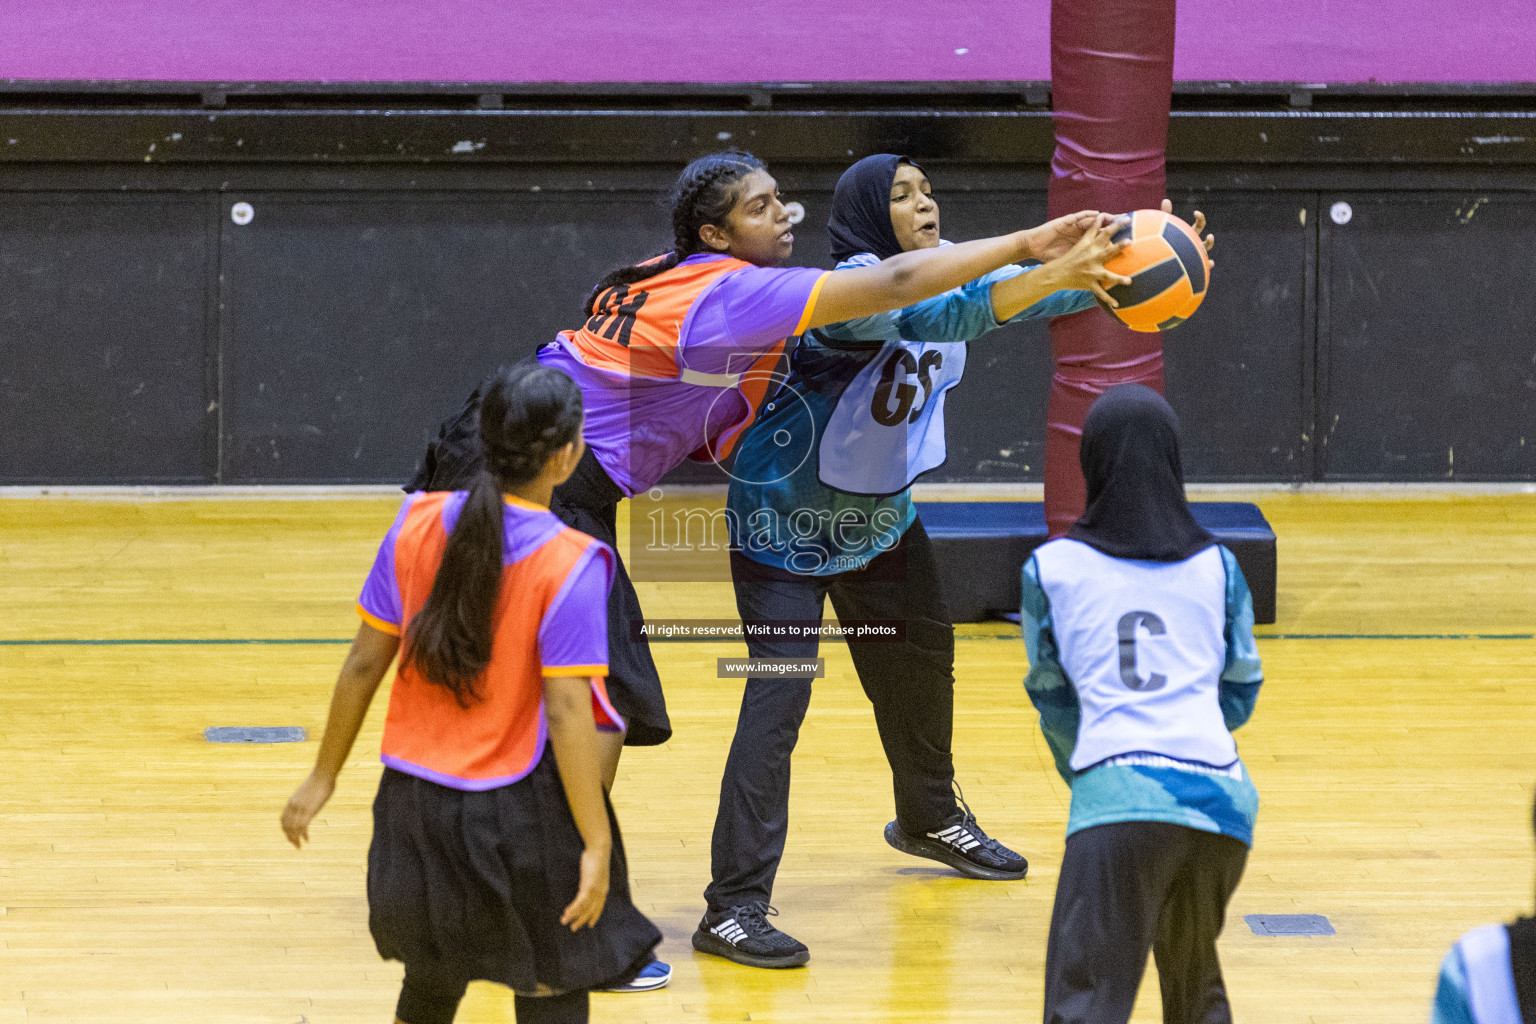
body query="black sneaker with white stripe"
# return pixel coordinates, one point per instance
(743, 934)
(963, 846)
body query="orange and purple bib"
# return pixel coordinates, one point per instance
(550, 620)
(675, 366)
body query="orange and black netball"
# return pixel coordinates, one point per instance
(1169, 272)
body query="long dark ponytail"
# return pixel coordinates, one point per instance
(703, 194)
(529, 413)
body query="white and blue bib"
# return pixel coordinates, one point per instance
(888, 426)
(1143, 643)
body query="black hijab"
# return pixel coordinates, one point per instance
(1130, 457)
(861, 208)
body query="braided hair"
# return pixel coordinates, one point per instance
(529, 413)
(705, 193)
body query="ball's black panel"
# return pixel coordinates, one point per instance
(1430, 353)
(1148, 283)
(103, 321)
(1189, 255)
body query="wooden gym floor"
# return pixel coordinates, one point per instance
(143, 876)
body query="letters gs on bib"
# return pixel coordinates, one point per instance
(614, 315)
(1127, 628)
(906, 394)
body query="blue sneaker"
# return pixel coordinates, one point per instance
(652, 976)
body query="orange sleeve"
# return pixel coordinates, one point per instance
(810, 304)
(574, 670)
(377, 623)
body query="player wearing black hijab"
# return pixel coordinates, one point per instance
(1139, 628)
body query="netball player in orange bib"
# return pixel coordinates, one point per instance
(495, 854)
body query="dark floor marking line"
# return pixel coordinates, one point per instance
(1289, 924)
(254, 734)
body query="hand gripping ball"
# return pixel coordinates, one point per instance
(1166, 263)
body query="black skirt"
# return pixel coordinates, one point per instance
(589, 502)
(472, 885)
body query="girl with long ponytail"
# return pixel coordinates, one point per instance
(495, 854)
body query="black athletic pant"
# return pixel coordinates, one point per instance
(1133, 886)
(911, 685)
(429, 997)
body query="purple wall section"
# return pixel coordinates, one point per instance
(739, 41)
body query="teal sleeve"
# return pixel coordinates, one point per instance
(1052, 694)
(1056, 304)
(958, 315)
(880, 327)
(1452, 1005)
(967, 312)
(1242, 674)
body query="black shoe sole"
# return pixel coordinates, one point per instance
(925, 847)
(704, 942)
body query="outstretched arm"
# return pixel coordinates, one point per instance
(367, 661)
(1080, 268)
(911, 277)
(986, 303)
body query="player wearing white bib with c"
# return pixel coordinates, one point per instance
(1139, 629)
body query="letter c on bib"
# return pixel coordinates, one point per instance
(1154, 626)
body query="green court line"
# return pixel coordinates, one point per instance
(297, 641)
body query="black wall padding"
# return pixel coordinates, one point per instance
(147, 338)
(1430, 339)
(104, 339)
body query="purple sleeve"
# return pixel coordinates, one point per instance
(573, 638)
(380, 603)
(748, 312)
